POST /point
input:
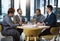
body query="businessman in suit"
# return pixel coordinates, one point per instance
(9, 28)
(50, 20)
(19, 19)
(51, 17)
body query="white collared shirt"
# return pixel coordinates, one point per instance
(50, 13)
(12, 18)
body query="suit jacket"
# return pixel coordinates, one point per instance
(39, 18)
(51, 20)
(8, 24)
(17, 19)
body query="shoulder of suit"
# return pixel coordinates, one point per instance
(6, 16)
(16, 15)
(53, 14)
(42, 15)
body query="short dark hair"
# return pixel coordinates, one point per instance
(50, 6)
(11, 10)
(38, 10)
(18, 9)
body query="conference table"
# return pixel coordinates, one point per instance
(32, 30)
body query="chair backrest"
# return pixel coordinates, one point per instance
(54, 30)
(32, 32)
(0, 27)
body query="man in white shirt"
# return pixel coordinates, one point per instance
(19, 19)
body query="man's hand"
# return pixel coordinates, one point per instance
(40, 24)
(20, 23)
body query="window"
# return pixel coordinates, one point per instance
(58, 11)
(59, 3)
(31, 7)
(22, 5)
(42, 6)
(6, 4)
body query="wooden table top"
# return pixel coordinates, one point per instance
(32, 27)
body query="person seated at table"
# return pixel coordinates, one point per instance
(50, 20)
(51, 17)
(38, 18)
(19, 19)
(9, 28)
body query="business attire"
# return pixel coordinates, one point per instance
(18, 19)
(39, 18)
(49, 21)
(9, 28)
